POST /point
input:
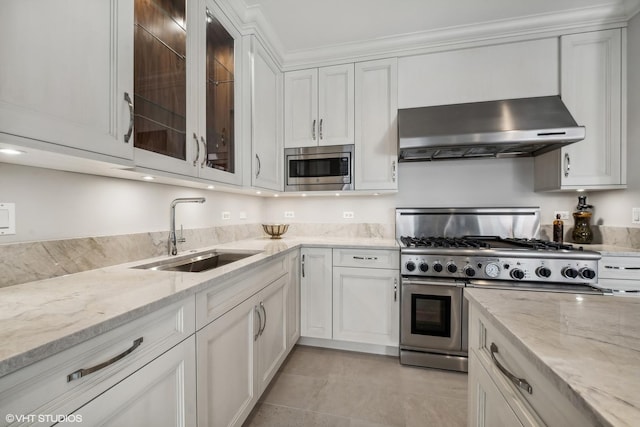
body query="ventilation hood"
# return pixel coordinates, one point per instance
(507, 128)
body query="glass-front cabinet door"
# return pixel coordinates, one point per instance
(219, 92)
(185, 89)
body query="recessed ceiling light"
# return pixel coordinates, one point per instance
(148, 178)
(11, 151)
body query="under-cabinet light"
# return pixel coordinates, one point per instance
(11, 151)
(148, 178)
(210, 187)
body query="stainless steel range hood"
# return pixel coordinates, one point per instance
(508, 128)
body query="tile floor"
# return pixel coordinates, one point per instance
(323, 387)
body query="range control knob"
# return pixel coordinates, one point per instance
(410, 265)
(569, 272)
(424, 267)
(587, 273)
(518, 274)
(437, 267)
(543, 272)
(451, 268)
(469, 271)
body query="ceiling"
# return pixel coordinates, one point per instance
(303, 25)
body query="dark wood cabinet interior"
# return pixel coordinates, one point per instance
(160, 77)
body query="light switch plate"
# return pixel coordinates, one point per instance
(635, 215)
(564, 215)
(243, 215)
(289, 214)
(226, 215)
(347, 215)
(7, 218)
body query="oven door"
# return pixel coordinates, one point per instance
(432, 315)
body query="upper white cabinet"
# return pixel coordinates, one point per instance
(266, 120)
(186, 92)
(66, 75)
(376, 126)
(318, 106)
(593, 84)
(502, 71)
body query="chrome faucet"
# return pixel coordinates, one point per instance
(173, 240)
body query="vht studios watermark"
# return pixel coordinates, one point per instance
(43, 418)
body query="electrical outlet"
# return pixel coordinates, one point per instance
(226, 215)
(564, 215)
(635, 215)
(289, 214)
(243, 215)
(347, 215)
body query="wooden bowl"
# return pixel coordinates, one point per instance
(275, 230)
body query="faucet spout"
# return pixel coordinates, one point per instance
(173, 239)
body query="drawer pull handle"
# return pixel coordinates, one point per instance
(127, 136)
(265, 317)
(520, 382)
(86, 371)
(366, 258)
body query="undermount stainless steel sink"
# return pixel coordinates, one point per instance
(198, 262)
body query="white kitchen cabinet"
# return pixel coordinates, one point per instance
(495, 399)
(293, 300)
(366, 292)
(619, 272)
(593, 86)
(376, 126)
(238, 354)
(187, 61)
(365, 305)
(319, 106)
(66, 73)
(70, 379)
(266, 120)
(316, 292)
(487, 407)
(166, 385)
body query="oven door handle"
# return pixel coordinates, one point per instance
(422, 282)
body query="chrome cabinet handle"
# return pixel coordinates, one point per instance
(86, 371)
(395, 289)
(520, 382)
(567, 164)
(265, 317)
(313, 130)
(259, 165)
(255, 337)
(303, 265)
(393, 171)
(127, 136)
(367, 258)
(320, 128)
(195, 161)
(204, 157)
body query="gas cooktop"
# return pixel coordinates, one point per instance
(487, 242)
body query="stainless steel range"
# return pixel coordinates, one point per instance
(445, 250)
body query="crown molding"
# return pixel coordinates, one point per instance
(450, 38)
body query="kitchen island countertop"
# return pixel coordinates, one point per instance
(41, 318)
(588, 346)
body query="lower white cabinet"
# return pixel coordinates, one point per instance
(238, 354)
(315, 292)
(293, 300)
(487, 406)
(161, 393)
(365, 305)
(495, 399)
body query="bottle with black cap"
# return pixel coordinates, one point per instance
(558, 229)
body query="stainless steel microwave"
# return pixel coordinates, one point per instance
(327, 168)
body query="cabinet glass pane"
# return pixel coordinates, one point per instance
(220, 100)
(160, 77)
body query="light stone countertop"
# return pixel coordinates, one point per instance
(589, 349)
(39, 319)
(610, 250)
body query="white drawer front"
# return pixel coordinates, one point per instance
(545, 402)
(44, 387)
(625, 268)
(370, 258)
